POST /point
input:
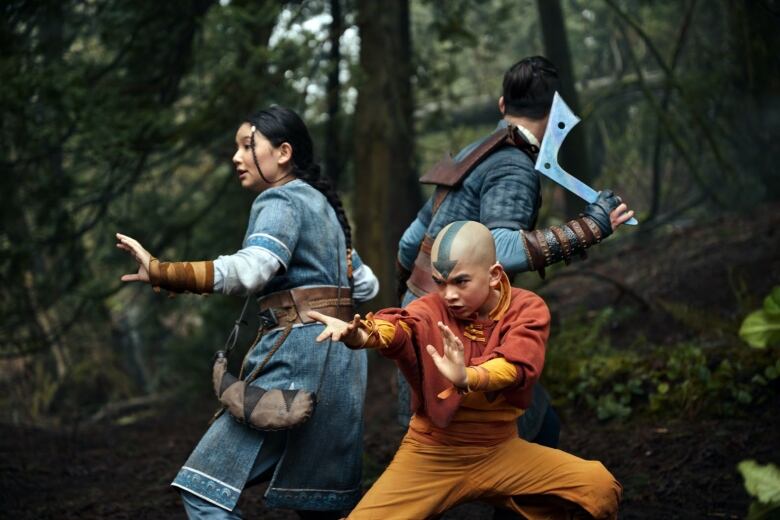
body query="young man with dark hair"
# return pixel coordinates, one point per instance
(502, 191)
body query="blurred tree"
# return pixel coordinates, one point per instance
(656, 185)
(754, 77)
(92, 88)
(110, 124)
(386, 193)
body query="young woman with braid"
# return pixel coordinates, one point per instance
(297, 236)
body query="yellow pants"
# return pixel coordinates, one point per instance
(538, 482)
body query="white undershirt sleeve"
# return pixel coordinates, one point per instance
(244, 272)
(364, 284)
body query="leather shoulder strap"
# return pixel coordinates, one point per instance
(450, 173)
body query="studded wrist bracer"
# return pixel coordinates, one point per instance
(550, 245)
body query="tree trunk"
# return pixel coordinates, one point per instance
(387, 196)
(754, 40)
(574, 153)
(657, 161)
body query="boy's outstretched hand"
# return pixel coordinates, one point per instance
(351, 334)
(452, 364)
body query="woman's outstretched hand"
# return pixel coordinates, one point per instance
(452, 364)
(349, 333)
(140, 255)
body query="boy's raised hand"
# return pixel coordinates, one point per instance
(452, 364)
(351, 334)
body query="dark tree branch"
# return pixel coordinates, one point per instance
(726, 168)
(622, 288)
(655, 200)
(669, 127)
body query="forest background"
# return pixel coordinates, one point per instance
(120, 116)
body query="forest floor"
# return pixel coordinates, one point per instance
(678, 467)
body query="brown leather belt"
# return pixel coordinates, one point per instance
(279, 309)
(420, 282)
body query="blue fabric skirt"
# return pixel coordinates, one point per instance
(320, 468)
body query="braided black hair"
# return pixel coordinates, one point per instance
(282, 125)
(529, 87)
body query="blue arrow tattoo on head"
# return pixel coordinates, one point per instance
(443, 263)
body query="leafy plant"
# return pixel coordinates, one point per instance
(584, 369)
(763, 484)
(761, 328)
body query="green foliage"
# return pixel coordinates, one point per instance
(459, 65)
(702, 321)
(761, 328)
(583, 369)
(762, 482)
(120, 116)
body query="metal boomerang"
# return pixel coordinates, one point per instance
(560, 123)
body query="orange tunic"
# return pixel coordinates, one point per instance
(506, 352)
(463, 445)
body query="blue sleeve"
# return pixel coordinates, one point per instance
(409, 244)
(357, 262)
(510, 252)
(426, 213)
(276, 225)
(509, 196)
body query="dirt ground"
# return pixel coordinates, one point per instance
(675, 468)
(670, 469)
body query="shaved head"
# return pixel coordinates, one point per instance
(465, 271)
(462, 242)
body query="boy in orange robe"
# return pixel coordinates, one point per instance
(471, 352)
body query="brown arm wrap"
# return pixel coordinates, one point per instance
(551, 245)
(178, 277)
(533, 250)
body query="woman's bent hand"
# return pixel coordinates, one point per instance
(140, 255)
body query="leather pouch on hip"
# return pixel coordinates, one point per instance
(260, 408)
